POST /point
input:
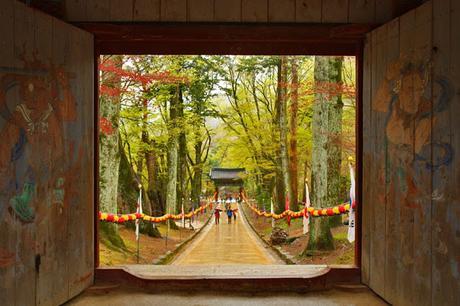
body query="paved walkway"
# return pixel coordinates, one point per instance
(130, 296)
(227, 244)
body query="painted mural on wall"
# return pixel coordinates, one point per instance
(36, 104)
(409, 110)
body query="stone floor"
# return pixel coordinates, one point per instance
(160, 272)
(120, 296)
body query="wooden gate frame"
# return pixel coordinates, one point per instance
(235, 39)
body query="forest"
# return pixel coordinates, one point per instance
(166, 120)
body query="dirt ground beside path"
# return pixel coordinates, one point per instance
(150, 248)
(342, 255)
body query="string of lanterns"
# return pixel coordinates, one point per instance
(121, 218)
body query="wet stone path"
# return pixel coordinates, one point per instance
(227, 244)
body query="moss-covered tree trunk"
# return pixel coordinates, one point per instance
(172, 155)
(197, 171)
(283, 130)
(182, 154)
(109, 157)
(278, 179)
(293, 158)
(326, 154)
(153, 185)
(128, 195)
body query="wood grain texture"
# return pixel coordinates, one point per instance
(361, 11)
(281, 10)
(98, 10)
(227, 10)
(80, 237)
(308, 10)
(446, 175)
(34, 252)
(25, 276)
(200, 10)
(173, 10)
(8, 233)
(146, 10)
(75, 10)
(51, 230)
(453, 278)
(254, 11)
(441, 284)
(121, 10)
(367, 200)
(315, 11)
(7, 18)
(421, 208)
(335, 11)
(384, 11)
(377, 244)
(392, 209)
(419, 55)
(406, 258)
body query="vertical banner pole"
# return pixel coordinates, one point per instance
(306, 217)
(139, 210)
(351, 214)
(272, 210)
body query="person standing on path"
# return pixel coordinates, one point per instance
(228, 209)
(229, 214)
(233, 207)
(217, 213)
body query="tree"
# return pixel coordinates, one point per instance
(283, 130)
(326, 155)
(109, 157)
(203, 80)
(293, 158)
(173, 143)
(182, 163)
(128, 193)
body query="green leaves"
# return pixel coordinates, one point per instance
(228, 106)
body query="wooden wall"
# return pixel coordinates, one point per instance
(309, 11)
(46, 158)
(411, 198)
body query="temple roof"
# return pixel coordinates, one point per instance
(227, 176)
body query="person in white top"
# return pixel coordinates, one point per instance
(234, 207)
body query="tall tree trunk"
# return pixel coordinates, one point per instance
(293, 160)
(173, 143)
(128, 191)
(283, 128)
(182, 155)
(335, 141)
(109, 158)
(150, 162)
(279, 180)
(326, 155)
(197, 172)
(153, 186)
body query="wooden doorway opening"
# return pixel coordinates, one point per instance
(229, 39)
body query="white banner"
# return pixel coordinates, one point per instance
(272, 210)
(306, 217)
(351, 214)
(183, 215)
(139, 211)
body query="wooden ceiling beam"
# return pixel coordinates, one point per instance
(268, 39)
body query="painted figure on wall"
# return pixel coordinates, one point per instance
(35, 102)
(405, 97)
